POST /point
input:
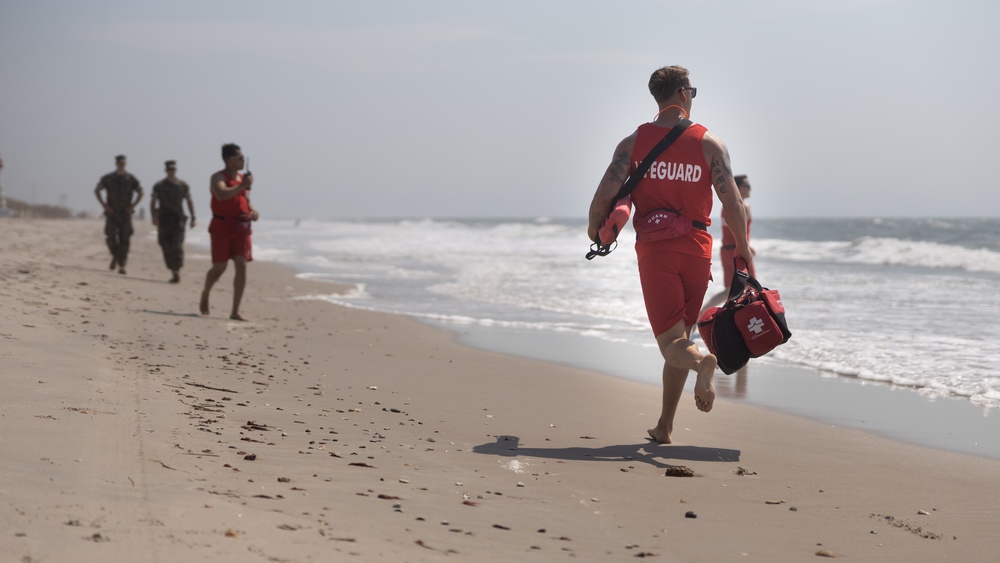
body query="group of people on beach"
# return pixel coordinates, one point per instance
(119, 193)
(674, 272)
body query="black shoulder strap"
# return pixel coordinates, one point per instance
(636, 176)
(640, 171)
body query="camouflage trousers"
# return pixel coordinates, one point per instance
(170, 235)
(118, 233)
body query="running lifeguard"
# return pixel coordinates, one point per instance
(674, 272)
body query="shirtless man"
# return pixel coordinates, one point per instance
(674, 272)
(230, 226)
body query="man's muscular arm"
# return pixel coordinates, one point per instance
(613, 180)
(717, 155)
(223, 192)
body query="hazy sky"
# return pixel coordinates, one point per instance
(501, 109)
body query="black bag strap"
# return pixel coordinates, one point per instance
(640, 171)
(742, 279)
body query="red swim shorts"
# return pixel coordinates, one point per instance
(229, 243)
(673, 287)
(726, 256)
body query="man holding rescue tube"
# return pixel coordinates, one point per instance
(674, 271)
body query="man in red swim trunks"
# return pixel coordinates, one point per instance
(230, 226)
(674, 272)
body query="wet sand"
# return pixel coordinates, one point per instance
(916, 416)
(136, 429)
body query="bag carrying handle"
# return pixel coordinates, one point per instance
(742, 279)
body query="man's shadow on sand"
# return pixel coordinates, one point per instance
(657, 455)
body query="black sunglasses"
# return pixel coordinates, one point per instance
(694, 91)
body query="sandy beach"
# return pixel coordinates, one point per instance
(135, 429)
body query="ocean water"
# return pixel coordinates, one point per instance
(909, 302)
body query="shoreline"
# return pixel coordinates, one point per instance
(899, 413)
(915, 415)
(136, 428)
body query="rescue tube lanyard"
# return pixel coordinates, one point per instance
(601, 249)
(636, 176)
(686, 116)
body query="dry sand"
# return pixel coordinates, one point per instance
(134, 429)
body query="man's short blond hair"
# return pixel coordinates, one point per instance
(666, 81)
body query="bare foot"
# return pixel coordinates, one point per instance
(236, 317)
(114, 264)
(659, 436)
(203, 306)
(704, 388)
(121, 270)
(176, 278)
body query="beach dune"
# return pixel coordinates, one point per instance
(135, 429)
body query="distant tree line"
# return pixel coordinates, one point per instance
(42, 211)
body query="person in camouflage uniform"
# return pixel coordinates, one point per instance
(167, 211)
(120, 186)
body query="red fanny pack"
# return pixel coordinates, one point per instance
(750, 324)
(240, 224)
(661, 224)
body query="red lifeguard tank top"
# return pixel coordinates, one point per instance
(678, 179)
(234, 206)
(728, 239)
